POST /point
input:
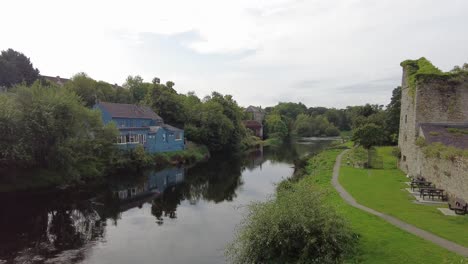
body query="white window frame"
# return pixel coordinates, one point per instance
(178, 136)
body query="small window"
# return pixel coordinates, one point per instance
(404, 158)
(164, 137)
(406, 137)
(406, 119)
(178, 136)
(121, 140)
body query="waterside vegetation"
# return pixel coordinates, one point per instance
(372, 241)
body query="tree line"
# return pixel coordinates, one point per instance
(48, 126)
(286, 119)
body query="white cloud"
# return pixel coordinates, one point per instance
(256, 50)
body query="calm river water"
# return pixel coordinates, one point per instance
(177, 215)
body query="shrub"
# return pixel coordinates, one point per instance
(332, 131)
(296, 227)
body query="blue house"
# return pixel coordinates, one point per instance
(139, 125)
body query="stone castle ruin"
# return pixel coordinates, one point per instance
(433, 137)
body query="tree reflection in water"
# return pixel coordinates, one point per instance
(62, 227)
(215, 181)
(47, 228)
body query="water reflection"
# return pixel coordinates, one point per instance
(66, 227)
(33, 230)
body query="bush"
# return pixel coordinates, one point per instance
(332, 131)
(296, 227)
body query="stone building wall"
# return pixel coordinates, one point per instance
(442, 102)
(434, 102)
(451, 176)
(408, 131)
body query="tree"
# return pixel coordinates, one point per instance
(392, 121)
(137, 87)
(367, 136)
(170, 84)
(276, 127)
(167, 103)
(49, 128)
(16, 68)
(85, 87)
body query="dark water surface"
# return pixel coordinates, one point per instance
(177, 215)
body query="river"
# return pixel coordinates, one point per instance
(176, 215)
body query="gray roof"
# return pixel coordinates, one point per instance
(171, 128)
(252, 108)
(440, 132)
(58, 80)
(129, 111)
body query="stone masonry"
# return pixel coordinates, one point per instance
(439, 103)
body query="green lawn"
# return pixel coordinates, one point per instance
(382, 190)
(380, 242)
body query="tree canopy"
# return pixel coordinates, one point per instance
(49, 128)
(16, 68)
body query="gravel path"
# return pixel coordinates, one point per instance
(449, 245)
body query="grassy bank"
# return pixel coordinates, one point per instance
(383, 190)
(125, 161)
(380, 242)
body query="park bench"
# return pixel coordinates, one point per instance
(433, 193)
(420, 184)
(426, 191)
(459, 206)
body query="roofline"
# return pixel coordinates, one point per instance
(131, 117)
(445, 124)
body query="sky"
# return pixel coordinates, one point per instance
(331, 53)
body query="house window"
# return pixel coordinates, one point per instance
(141, 138)
(404, 158)
(164, 137)
(121, 123)
(121, 140)
(132, 138)
(178, 136)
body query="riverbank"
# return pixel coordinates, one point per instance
(384, 191)
(43, 180)
(379, 241)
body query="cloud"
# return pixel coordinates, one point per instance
(332, 53)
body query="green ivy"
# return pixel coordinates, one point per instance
(457, 131)
(421, 70)
(441, 151)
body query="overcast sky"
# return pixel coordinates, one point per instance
(319, 52)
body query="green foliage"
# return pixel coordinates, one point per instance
(49, 128)
(433, 133)
(138, 89)
(422, 70)
(296, 227)
(276, 127)
(457, 131)
(91, 91)
(16, 68)
(420, 141)
(368, 135)
(138, 159)
(167, 103)
(314, 126)
(392, 120)
(441, 151)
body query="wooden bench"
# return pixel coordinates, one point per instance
(459, 206)
(420, 184)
